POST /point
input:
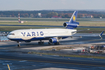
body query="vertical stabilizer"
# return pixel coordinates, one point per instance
(72, 22)
(74, 17)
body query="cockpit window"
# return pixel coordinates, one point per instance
(11, 34)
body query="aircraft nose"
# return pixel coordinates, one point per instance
(8, 36)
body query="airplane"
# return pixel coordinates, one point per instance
(53, 35)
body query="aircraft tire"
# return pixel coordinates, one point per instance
(40, 43)
(18, 45)
(57, 43)
(49, 43)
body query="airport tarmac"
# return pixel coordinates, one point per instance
(19, 60)
(23, 61)
(30, 65)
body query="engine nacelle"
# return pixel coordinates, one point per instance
(71, 25)
(53, 40)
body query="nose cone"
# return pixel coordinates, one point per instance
(8, 36)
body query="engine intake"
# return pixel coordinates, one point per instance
(71, 25)
(53, 40)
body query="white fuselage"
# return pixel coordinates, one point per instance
(53, 35)
(31, 34)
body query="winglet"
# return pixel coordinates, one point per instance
(100, 35)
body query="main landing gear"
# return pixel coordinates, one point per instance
(57, 43)
(41, 42)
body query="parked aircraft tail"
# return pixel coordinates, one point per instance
(100, 35)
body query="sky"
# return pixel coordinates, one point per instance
(52, 5)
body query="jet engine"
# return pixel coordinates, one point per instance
(53, 40)
(71, 25)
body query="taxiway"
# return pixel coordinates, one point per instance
(18, 58)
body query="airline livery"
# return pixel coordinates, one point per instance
(53, 35)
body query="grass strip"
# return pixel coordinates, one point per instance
(56, 23)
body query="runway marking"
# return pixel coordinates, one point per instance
(8, 67)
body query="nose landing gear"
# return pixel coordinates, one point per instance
(18, 44)
(41, 42)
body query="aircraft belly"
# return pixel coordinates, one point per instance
(26, 38)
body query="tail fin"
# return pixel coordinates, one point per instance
(72, 22)
(74, 17)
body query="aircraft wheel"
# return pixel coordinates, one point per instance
(49, 43)
(40, 43)
(57, 43)
(18, 45)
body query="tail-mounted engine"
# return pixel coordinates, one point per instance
(71, 25)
